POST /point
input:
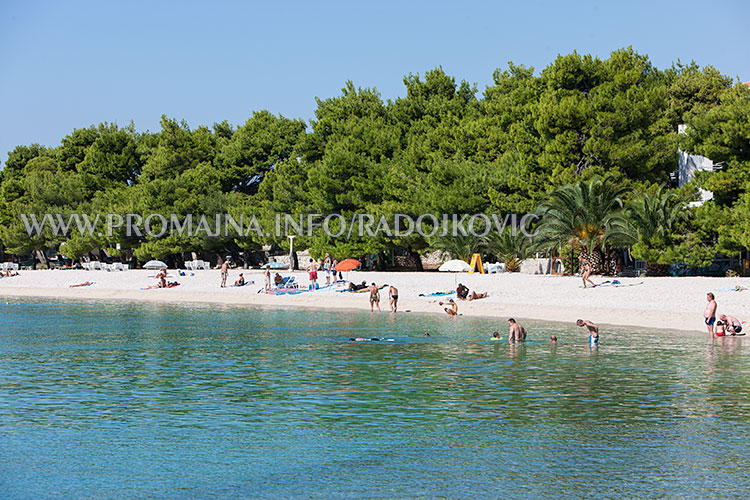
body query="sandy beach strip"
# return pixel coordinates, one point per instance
(668, 303)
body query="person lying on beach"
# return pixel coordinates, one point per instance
(88, 283)
(241, 281)
(592, 328)
(374, 297)
(8, 274)
(452, 309)
(477, 296)
(393, 298)
(462, 292)
(731, 324)
(516, 333)
(356, 288)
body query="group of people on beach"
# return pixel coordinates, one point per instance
(726, 325)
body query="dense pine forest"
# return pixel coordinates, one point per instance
(589, 145)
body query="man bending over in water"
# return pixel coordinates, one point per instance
(731, 324)
(593, 330)
(517, 333)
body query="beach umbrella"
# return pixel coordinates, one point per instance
(455, 266)
(274, 265)
(154, 264)
(348, 265)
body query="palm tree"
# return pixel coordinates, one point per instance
(459, 246)
(654, 217)
(589, 216)
(511, 249)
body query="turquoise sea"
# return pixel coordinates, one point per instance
(132, 401)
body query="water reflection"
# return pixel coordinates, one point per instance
(165, 402)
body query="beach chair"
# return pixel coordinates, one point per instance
(189, 265)
(205, 265)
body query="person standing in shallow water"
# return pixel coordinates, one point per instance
(516, 333)
(393, 298)
(709, 313)
(374, 297)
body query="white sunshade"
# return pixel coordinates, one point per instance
(455, 266)
(154, 264)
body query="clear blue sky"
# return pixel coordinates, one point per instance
(70, 64)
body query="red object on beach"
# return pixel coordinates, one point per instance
(348, 265)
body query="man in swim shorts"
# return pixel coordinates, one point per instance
(709, 313)
(312, 268)
(393, 298)
(593, 330)
(516, 333)
(224, 273)
(374, 297)
(731, 324)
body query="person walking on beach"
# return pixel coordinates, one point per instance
(593, 330)
(393, 298)
(709, 313)
(312, 268)
(517, 333)
(374, 297)
(585, 270)
(327, 268)
(224, 273)
(267, 279)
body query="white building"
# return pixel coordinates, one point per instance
(689, 164)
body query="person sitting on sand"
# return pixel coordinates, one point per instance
(393, 298)
(452, 309)
(241, 281)
(516, 333)
(719, 329)
(374, 297)
(731, 324)
(585, 270)
(477, 296)
(462, 292)
(162, 280)
(278, 280)
(593, 330)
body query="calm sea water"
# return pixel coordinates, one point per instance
(109, 400)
